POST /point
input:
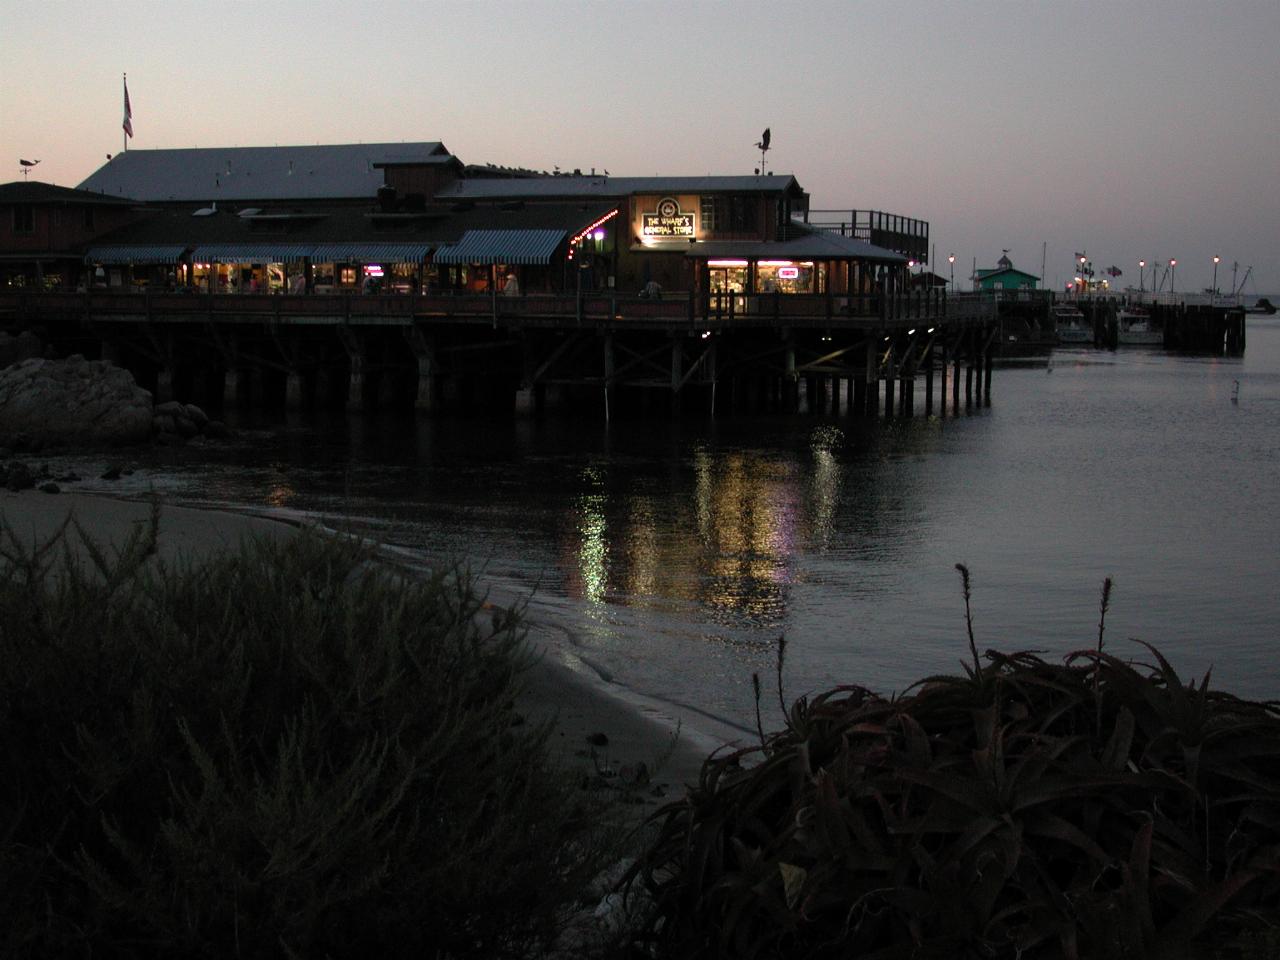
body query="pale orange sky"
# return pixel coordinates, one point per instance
(1128, 130)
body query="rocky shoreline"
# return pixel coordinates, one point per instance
(52, 405)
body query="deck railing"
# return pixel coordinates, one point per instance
(674, 308)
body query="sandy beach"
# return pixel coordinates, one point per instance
(601, 730)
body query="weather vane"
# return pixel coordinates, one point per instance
(763, 147)
(26, 166)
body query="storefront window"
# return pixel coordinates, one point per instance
(786, 276)
(728, 278)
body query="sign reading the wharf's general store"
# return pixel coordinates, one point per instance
(668, 223)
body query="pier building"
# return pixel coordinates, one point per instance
(395, 273)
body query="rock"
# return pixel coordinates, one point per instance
(111, 473)
(185, 426)
(19, 476)
(73, 400)
(163, 423)
(171, 408)
(196, 415)
(217, 430)
(597, 740)
(50, 487)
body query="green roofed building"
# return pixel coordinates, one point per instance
(1004, 276)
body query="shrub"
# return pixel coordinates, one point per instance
(281, 751)
(1092, 808)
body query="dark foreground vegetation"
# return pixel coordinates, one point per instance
(281, 752)
(1087, 809)
(290, 751)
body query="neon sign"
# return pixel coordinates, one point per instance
(788, 273)
(668, 223)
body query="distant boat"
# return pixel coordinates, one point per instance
(1133, 328)
(1262, 305)
(1069, 324)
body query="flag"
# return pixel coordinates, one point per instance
(1114, 271)
(128, 111)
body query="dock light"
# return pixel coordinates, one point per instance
(598, 236)
(911, 332)
(1215, 275)
(1173, 273)
(930, 330)
(951, 259)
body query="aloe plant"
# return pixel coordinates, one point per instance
(1089, 808)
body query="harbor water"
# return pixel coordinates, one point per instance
(669, 556)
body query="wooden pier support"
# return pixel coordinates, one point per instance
(293, 389)
(928, 380)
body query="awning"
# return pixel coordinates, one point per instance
(511, 247)
(135, 254)
(370, 252)
(252, 253)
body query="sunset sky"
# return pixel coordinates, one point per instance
(1124, 129)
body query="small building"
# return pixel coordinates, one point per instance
(43, 230)
(1004, 276)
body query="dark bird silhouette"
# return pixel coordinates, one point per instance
(28, 163)
(763, 145)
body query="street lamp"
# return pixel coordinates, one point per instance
(1142, 266)
(952, 260)
(1173, 274)
(1082, 277)
(1215, 275)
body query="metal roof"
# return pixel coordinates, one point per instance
(601, 186)
(257, 173)
(19, 191)
(371, 252)
(511, 247)
(252, 252)
(814, 246)
(137, 253)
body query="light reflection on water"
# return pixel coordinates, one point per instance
(677, 553)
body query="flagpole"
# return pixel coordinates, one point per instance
(124, 134)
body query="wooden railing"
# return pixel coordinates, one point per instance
(674, 308)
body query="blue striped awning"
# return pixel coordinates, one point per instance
(135, 254)
(511, 247)
(370, 252)
(251, 253)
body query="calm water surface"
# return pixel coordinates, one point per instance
(672, 556)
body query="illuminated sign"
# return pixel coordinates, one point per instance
(668, 223)
(373, 270)
(788, 273)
